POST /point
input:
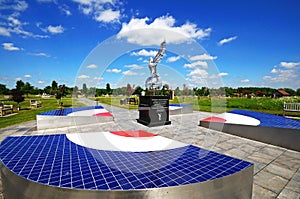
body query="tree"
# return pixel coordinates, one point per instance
(47, 89)
(17, 96)
(100, 92)
(3, 90)
(108, 89)
(138, 90)
(60, 92)
(177, 92)
(128, 90)
(75, 91)
(185, 89)
(92, 91)
(54, 85)
(19, 85)
(27, 88)
(298, 92)
(84, 89)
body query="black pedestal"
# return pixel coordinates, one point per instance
(154, 110)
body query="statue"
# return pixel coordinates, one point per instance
(154, 82)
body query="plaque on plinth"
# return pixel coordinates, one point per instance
(154, 110)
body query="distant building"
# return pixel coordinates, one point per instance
(280, 93)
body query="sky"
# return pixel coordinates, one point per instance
(209, 43)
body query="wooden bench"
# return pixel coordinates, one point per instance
(4, 108)
(291, 107)
(35, 103)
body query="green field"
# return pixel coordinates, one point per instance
(27, 114)
(219, 105)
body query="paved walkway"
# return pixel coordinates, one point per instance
(276, 169)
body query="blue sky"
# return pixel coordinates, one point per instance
(241, 43)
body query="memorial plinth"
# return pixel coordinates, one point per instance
(154, 110)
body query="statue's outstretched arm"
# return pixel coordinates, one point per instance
(160, 53)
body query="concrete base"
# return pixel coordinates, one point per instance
(50, 122)
(284, 137)
(238, 185)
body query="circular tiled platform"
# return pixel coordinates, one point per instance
(73, 117)
(54, 166)
(263, 127)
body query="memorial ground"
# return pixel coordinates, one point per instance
(276, 169)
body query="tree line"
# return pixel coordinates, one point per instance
(62, 90)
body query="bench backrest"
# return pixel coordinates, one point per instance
(291, 106)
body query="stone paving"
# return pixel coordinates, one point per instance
(276, 169)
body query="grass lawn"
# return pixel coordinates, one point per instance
(27, 114)
(219, 105)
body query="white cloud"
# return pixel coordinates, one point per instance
(222, 74)
(227, 40)
(245, 80)
(55, 29)
(41, 82)
(195, 64)
(4, 32)
(140, 31)
(20, 6)
(18, 78)
(130, 73)
(267, 77)
(27, 76)
(290, 64)
(106, 11)
(285, 74)
(114, 70)
(108, 16)
(39, 54)
(197, 76)
(144, 52)
(98, 78)
(198, 73)
(65, 9)
(83, 77)
(45, 1)
(92, 66)
(173, 59)
(10, 47)
(13, 21)
(134, 66)
(274, 70)
(218, 75)
(202, 57)
(14, 5)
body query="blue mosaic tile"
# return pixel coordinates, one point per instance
(179, 105)
(66, 111)
(56, 161)
(270, 120)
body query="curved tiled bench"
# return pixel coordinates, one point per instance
(72, 117)
(263, 127)
(58, 166)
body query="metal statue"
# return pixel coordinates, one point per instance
(153, 82)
